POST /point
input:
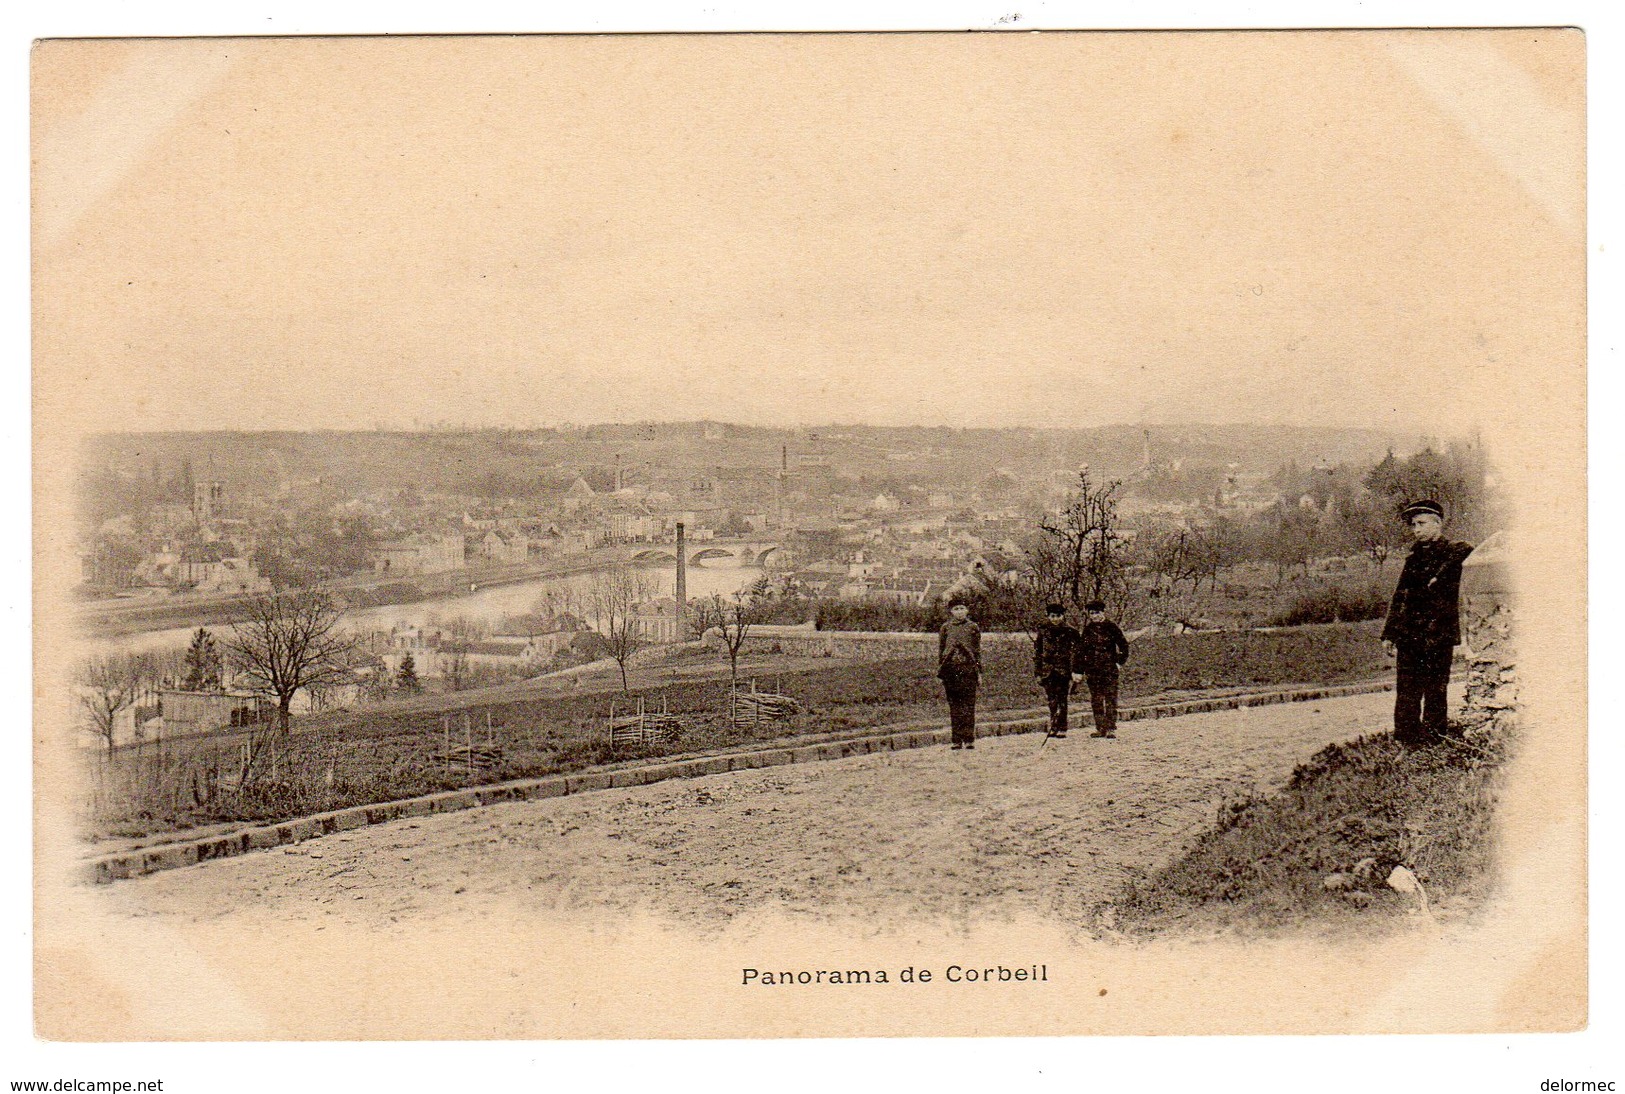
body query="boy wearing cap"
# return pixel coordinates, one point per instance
(959, 667)
(1424, 625)
(1102, 650)
(1054, 650)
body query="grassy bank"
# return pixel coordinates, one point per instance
(373, 756)
(1350, 814)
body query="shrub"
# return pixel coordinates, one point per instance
(1333, 604)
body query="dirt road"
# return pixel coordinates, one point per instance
(1007, 831)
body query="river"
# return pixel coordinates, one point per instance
(487, 606)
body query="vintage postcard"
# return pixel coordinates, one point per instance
(809, 535)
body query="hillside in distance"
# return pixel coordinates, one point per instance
(543, 462)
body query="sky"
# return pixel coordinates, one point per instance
(1380, 230)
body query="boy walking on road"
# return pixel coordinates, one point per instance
(1102, 650)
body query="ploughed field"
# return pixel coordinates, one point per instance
(380, 755)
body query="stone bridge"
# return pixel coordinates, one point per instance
(748, 552)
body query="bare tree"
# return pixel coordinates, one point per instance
(110, 685)
(288, 640)
(732, 618)
(611, 601)
(1371, 527)
(1293, 540)
(454, 665)
(1080, 553)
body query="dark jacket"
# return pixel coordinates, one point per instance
(1101, 648)
(959, 648)
(1054, 650)
(1426, 609)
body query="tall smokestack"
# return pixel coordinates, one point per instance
(682, 582)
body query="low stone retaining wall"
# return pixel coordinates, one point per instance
(1489, 631)
(854, 645)
(169, 856)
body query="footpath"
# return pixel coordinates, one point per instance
(227, 841)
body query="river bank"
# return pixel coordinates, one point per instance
(479, 596)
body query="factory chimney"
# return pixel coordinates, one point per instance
(682, 583)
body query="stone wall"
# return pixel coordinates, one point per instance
(1489, 635)
(804, 641)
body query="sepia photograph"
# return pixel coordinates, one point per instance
(786, 535)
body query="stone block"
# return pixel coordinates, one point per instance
(386, 811)
(261, 839)
(346, 820)
(591, 780)
(169, 858)
(417, 807)
(491, 795)
(545, 788)
(221, 847)
(453, 800)
(300, 830)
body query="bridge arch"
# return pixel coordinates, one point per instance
(654, 556)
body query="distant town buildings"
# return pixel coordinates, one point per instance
(659, 621)
(419, 554)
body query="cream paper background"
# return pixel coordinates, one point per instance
(1522, 971)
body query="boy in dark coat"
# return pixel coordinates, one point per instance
(1424, 626)
(1102, 650)
(1054, 650)
(959, 667)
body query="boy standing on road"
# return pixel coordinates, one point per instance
(1054, 651)
(959, 667)
(1424, 626)
(1102, 650)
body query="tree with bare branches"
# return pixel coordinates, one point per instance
(611, 601)
(110, 685)
(1080, 553)
(287, 640)
(732, 618)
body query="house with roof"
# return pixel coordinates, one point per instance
(504, 547)
(579, 496)
(659, 620)
(423, 553)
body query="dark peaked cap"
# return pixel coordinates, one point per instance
(1427, 505)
